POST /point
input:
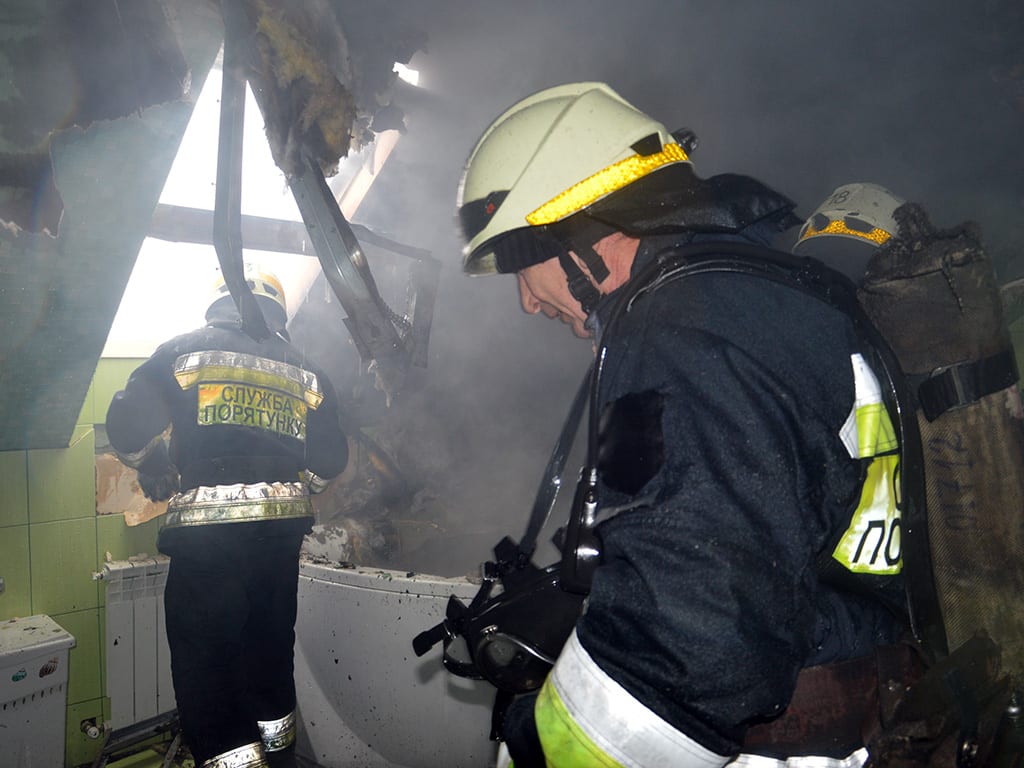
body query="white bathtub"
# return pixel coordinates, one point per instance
(364, 699)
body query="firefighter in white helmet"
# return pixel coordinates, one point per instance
(848, 227)
(253, 430)
(730, 584)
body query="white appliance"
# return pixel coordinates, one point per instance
(34, 655)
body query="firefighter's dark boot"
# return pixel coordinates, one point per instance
(284, 758)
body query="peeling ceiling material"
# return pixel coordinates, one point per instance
(67, 63)
(59, 295)
(296, 58)
(94, 100)
(323, 91)
(303, 67)
(103, 142)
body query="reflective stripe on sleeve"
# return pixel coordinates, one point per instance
(868, 431)
(135, 458)
(587, 720)
(316, 483)
(872, 543)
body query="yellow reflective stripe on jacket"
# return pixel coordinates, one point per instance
(872, 541)
(585, 720)
(868, 430)
(244, 405)
(243, 390)
(217, 365)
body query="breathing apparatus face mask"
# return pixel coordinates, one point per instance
(512, 638)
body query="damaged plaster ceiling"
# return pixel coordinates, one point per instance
(94, 101)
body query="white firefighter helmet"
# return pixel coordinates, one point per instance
(861, 212)
(552, 155)
(261, 282)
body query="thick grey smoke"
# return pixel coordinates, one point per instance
(925, 97)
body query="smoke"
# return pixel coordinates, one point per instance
(924, 97)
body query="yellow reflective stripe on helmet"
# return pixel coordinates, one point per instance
(838, 227)
(604, 182)
(585, 719)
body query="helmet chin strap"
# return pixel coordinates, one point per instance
(580, 286)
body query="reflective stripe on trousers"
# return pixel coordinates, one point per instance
(855, 760)
(248, 756)
(278, 734)
(587, 720)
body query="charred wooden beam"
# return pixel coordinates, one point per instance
(181, 224)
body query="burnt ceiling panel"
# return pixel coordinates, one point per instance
(67, 64)
(91, 115)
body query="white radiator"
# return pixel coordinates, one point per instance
(138, 660)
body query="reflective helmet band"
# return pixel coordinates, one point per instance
(604, 182)
(839, 227)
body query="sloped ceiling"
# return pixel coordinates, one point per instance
(94, 100)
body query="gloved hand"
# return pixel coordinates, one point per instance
(520, 732)
(160, 486)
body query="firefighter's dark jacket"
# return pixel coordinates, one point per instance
(223, 454)
(722, 401)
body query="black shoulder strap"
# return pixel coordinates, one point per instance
(551, 481)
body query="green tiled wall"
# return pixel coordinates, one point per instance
(62, 482)
(87, 414)
(62, 558)
(120, 541)
(51, 542)
(16, 599)
(84, 682)
(14, 481)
